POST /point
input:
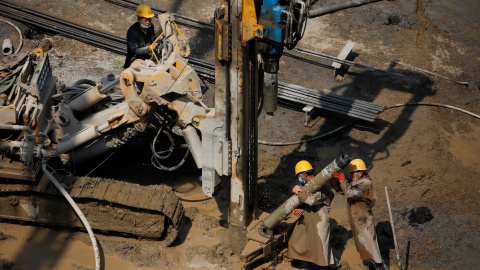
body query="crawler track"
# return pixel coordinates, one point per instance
(110, 206)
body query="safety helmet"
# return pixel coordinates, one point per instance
(144, 11)
(357, 165)
(303, 166)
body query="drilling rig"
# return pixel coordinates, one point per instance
(42, 123)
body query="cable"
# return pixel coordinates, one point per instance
(75, 207)
(19, 32)
(433, 104)
(159, 166)
(390, 107)
(103, 161)
(306, 140)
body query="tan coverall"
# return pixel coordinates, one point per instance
(361, 198)
(310, 240)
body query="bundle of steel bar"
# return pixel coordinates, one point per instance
(331, 102)
(288, 92)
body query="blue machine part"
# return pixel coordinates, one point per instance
(271, 19)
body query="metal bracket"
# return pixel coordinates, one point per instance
(250, 28)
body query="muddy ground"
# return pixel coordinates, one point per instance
(427, 156)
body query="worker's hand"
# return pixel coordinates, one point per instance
(334, 182)
(152, 47)
(296, 189)
(297, 212)
(339, 176)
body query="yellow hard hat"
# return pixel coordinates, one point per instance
(357, 165)
(303, 166)
(144, 11)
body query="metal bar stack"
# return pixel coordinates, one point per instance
(330, 102)
(287, 92)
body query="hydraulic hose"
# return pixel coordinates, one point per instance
(85, 81)
(75, 207)
(4, 88)
(434, 104)
(325, 10)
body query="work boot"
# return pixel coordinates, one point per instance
(336, 264)
(299, 264)
(375, 266)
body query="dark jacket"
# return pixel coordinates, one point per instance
(137, 43)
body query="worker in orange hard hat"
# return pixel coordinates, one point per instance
(140, 36)
(310, 240)
(361, 198)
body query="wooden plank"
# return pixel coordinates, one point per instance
(344, 54)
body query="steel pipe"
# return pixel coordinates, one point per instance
(313, 186)
(7, 47)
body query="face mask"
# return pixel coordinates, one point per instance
(300, 179)
(144, 26)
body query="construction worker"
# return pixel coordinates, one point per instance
(361, 198)
(310, 240)
(140, 36)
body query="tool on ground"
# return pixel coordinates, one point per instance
(393, 229)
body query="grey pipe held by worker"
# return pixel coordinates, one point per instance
(260, 233)
(313, 186)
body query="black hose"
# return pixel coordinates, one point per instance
(325, 10)
(85, 81)
(5, 79)
(4, 88)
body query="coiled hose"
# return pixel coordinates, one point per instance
(156, 156)
(7, 83)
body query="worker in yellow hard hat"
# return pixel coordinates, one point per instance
(310, 240)
(361, 198)
(140, 36)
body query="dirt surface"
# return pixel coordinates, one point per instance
(427, 156)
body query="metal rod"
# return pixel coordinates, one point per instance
(332, 99)
(336, 98)
(335, 106)
(393, 228)
(431, 73)
(350, 63)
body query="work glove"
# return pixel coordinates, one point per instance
(338, 176)
(334, 182)
(152, 47)
(297, 212)
(296, 189)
